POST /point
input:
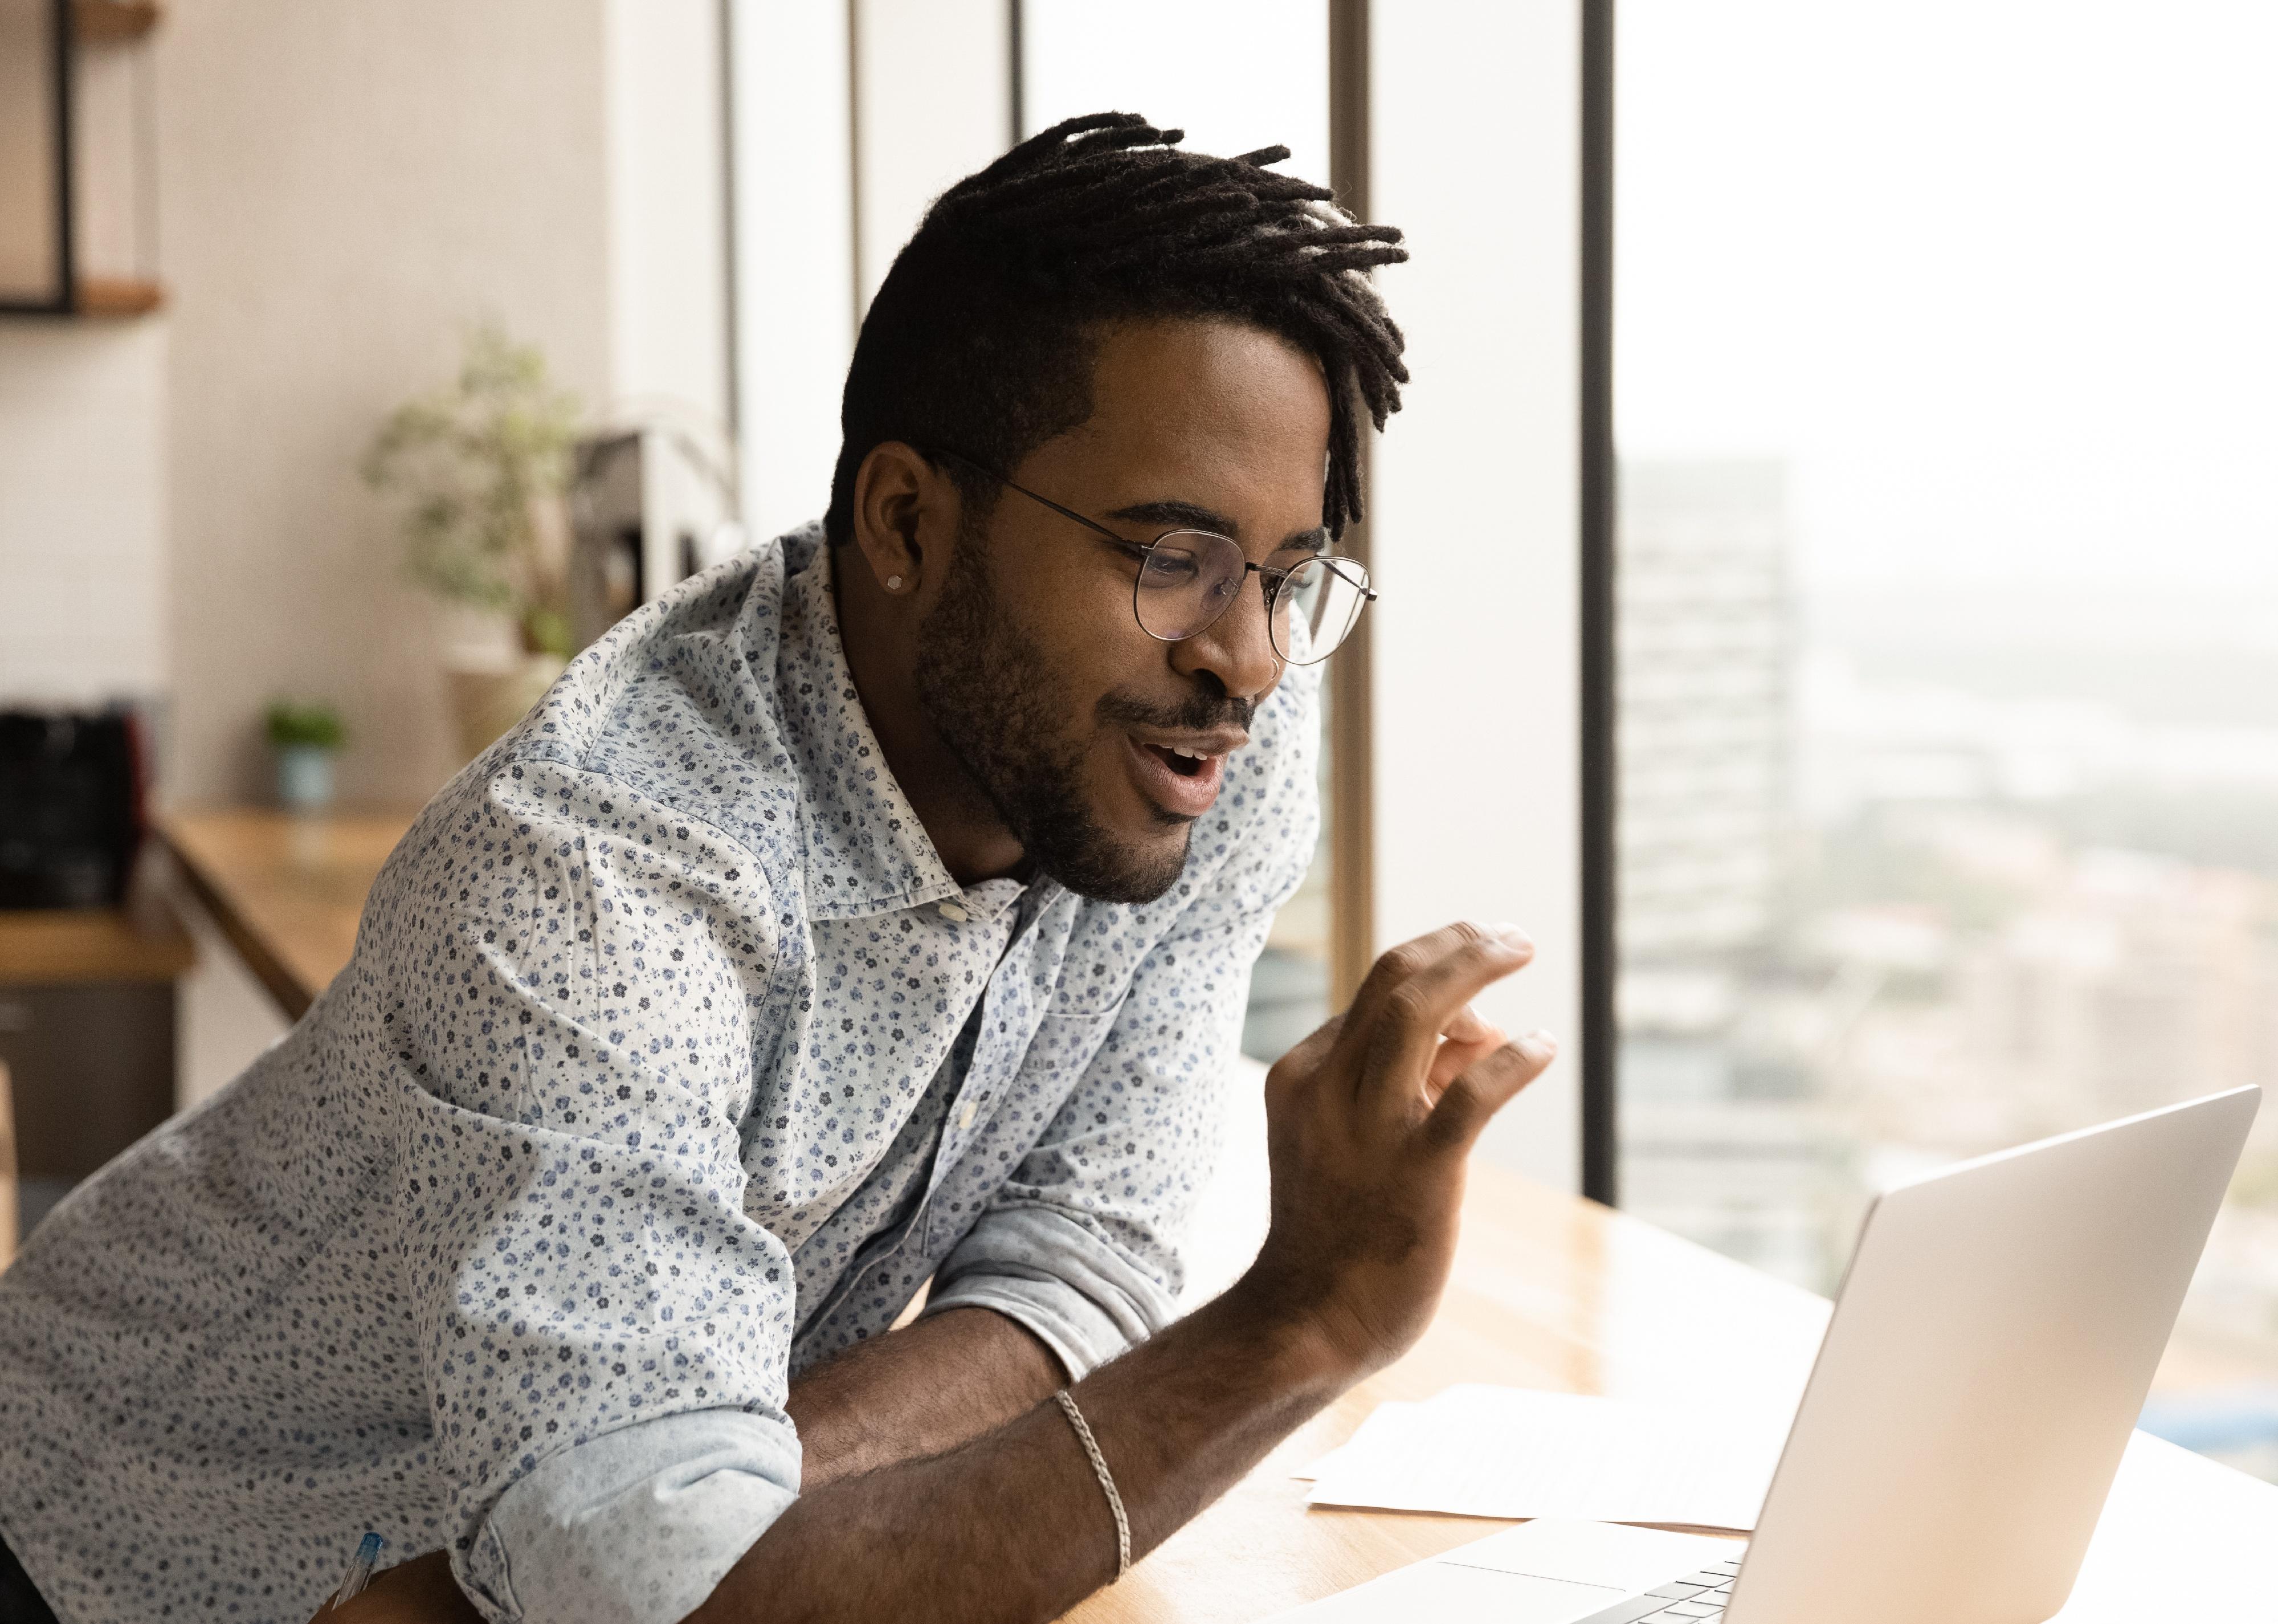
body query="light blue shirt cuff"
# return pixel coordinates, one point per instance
(634, 1526)
(1081, 1297)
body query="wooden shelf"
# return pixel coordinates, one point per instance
(112, 296)
(113, 21)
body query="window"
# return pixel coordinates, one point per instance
(1947, 618)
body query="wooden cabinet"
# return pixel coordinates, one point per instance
(86, 1032)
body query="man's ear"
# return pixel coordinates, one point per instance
(905, 510)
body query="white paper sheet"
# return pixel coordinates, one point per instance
(1504, 1451)
(1386, 1410)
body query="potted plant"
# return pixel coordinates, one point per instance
(305, 737)
(478, 468)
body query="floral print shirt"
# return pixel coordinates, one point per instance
(670, 1060)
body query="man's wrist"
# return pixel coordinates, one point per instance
(1289, 1338)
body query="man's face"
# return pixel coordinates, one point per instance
(1079, 726)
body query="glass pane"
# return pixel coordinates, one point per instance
(1193, 66)
(1189, 65)
(1948, 604)
(1327, 598)
(30, 258)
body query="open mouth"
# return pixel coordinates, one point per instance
(1178, 782)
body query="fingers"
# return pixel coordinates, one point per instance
(1396, 966)
(1472, 1100)
(1463, 1042)
(1413, 994)
(1468, 1025)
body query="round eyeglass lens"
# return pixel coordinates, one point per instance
(1327, 595)
(1188, 579)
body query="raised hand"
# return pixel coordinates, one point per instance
(1370, 1123)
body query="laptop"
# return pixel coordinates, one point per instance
(1990, 1351)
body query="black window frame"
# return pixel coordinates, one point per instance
(1597, 494)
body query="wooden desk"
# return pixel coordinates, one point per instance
(1556, 1292)
(287, 890)
(52, 947)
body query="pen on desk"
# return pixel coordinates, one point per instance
(359, 1570)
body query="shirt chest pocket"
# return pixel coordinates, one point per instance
(1012, 1123)
(1063, 1049)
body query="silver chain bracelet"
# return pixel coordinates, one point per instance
(1107, 1480)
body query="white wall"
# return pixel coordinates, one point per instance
(82, 510)
(667, 254)
(835, 164)
(344, 189)
(794, 252)
(668, 263)
(1475, 520)
(933, 104)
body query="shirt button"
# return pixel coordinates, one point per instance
(953, 913)
(965, 1117)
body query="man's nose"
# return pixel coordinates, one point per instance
(1236, 648)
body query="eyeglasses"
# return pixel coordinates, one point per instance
(1187, 579)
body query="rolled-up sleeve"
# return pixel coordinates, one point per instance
(1080, 1246)
(638, 1523)
(571, 972)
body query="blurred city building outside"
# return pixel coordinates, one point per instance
(1724, 1135)
(1956, 923)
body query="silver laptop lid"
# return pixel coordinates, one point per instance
(1990, 1349)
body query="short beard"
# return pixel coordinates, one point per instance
(989, 693)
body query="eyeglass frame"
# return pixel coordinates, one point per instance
(1273, 577)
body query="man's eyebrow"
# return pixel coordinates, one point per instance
(1194, 516)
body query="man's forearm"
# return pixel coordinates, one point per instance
(1014, 1524)
(921, 1391)
(924, 1389)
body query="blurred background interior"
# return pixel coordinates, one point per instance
(1830, 559)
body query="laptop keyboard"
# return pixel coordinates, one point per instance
(1696, 1596)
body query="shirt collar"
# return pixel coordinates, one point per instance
(866, 851)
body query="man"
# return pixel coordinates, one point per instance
(874, 910)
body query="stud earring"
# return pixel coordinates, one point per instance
(893, 583)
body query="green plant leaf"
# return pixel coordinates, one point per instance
(316, 724)
(465, 465)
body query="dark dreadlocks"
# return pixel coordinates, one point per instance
(982, 336)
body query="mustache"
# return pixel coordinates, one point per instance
(1200, 714)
